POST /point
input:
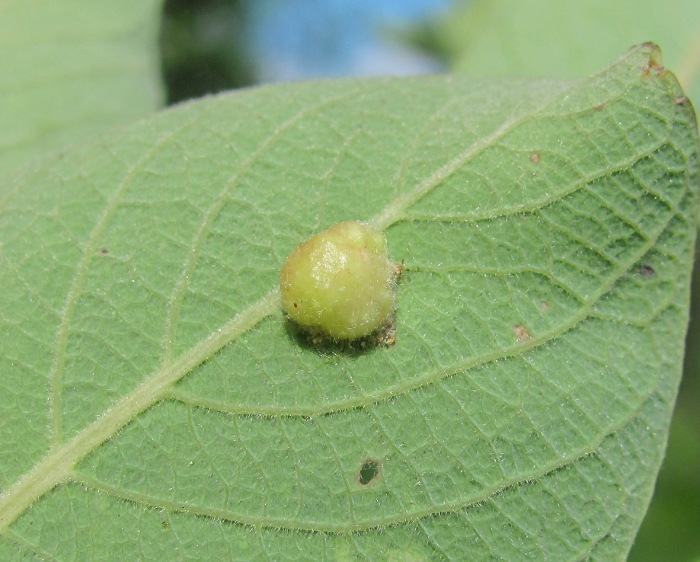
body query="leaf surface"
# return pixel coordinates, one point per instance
(155, 399)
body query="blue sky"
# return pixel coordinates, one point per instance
(293, 39)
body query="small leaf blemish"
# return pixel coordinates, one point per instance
(645, 270)
(521, 332)
(369, 472)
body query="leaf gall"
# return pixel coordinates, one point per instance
(340, 281)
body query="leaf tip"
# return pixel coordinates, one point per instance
(654, 61)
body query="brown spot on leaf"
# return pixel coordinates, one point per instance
(386, 336)
(655, 63)
(535, 157)
(104, 250)
(396, 270)
(521, 332)
(645, 270)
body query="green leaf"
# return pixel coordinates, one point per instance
(569, 38)
(157, 403)
(70, 69)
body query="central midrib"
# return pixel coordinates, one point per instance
(58, 465)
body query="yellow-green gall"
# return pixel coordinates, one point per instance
(340, 281)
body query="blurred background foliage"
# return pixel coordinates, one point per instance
(212, 45)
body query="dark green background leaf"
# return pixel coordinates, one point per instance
(70, 69)
(538, 38)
